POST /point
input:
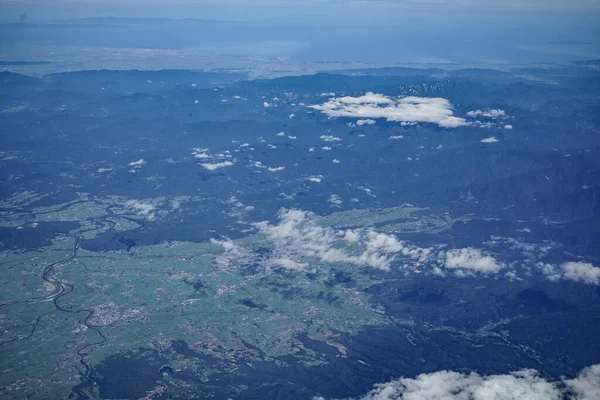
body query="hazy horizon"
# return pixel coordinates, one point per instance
(376, 33)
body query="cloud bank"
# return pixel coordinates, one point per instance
(523, 384)
(297, 235)
(300, 237)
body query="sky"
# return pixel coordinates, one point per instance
(382, 31)
(265, 9)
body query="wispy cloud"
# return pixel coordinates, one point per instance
(142, 208)
(298, 236)
(490, 113)
(330, 138)
(137, 164)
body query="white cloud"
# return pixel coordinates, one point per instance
(492, 113)
(335, 200)
(330, 138)
(352, 235)
(275, 169)
(326, 148)
(489, 140)
(335, 161)
(311, 149)
(573, 271)
(317, 180)
(470, 260)
(281, 134)
(227, 244)
(233, 256)
(137, 164)
(292, 137)
(213, 166)
(480, 124)
(367, 191)
(526, 384)
(549, 271)
(450, 385)
(586, 385)
(201, 155)
(271, 146)
(292, 116)
(396, 137)
(362, 122)
(141, 208)
(531, 251)
(297, 235)
(266, 105)
(368, 98)
(405, 109)
(288, 263)
(379, 247)
(581, 272)
(508, 126)
(200, 152)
